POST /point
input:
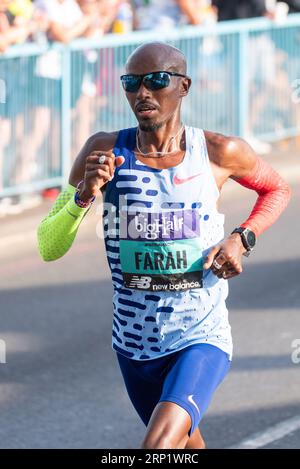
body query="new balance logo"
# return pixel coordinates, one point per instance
(140, 282)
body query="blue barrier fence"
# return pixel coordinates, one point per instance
(245, 77)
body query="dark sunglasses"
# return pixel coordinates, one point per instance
(152, 81)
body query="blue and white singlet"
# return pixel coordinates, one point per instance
(158, 226)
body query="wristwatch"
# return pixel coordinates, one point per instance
(248, 239)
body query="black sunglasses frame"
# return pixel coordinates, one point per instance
(141, 79)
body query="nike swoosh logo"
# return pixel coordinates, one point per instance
(191, 400)
(178, 180)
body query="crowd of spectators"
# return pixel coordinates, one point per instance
(65, 20)
(42, 21)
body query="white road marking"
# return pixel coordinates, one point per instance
(276, 432)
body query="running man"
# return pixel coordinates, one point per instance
(165, 245)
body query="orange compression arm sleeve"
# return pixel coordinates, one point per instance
(273, 196)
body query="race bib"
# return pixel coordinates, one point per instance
(161, 251)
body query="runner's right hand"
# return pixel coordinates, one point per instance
(96, 175)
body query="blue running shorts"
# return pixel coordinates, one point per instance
(188, 378)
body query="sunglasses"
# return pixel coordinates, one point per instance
(152, 81)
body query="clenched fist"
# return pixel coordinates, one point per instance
(97, 174)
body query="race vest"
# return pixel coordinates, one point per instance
(161, 251)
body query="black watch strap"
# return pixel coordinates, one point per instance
(248, 238)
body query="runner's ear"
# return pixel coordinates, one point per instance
(185, 86)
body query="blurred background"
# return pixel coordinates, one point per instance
(60, 62)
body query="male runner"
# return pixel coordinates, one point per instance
(165, 244)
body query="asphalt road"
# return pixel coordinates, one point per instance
(61, 387)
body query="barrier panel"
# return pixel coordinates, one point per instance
(245, 81)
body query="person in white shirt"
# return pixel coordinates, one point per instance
(162, 14)
(66, 20)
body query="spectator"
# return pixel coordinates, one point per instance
(123, 21)
(158, 14)
(88, 66)
(262, 69)
(197, 11)
(27, 14)
(104, 13)
(239, 9)
(26, 22)
(22, 9)
(66, 20)
(11, 30)
(19, 21)
(109, 11)
(92, 8)
(294, 5)
(17, 24)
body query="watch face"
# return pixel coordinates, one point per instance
(251, 239)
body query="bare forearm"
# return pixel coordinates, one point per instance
(66, 35)
(16, 35)
(3, 43)
(188, 8)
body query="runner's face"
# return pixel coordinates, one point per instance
(153, 108)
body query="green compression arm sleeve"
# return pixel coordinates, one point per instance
(57, 231)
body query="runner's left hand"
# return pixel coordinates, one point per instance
(227, 255)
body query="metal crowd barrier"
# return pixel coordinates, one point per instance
(246, 82)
